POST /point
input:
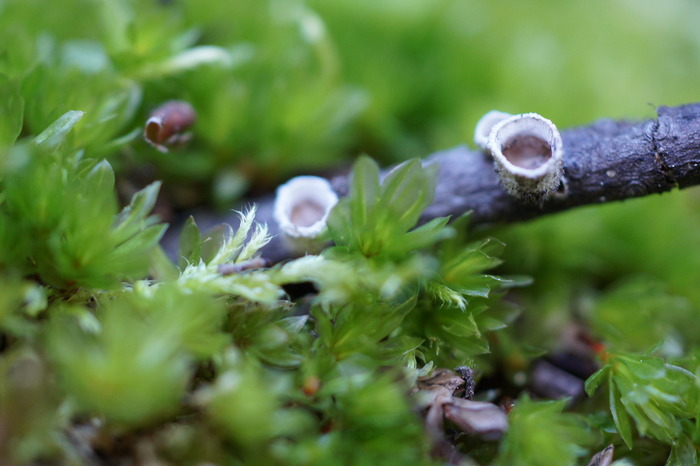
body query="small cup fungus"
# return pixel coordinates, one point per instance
(485, 125)
(301, 208)
(528, 154)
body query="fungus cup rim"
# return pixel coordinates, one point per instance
(551, 137)
(300, 189)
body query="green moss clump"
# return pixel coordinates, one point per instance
(111, 352)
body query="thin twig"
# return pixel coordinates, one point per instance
(606, 161)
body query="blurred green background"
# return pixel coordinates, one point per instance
(302, 86)
(285, 87)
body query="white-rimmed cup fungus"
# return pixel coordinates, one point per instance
(528, 154)
(301, 209)
(485, 125)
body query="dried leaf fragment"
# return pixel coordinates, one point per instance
(480, 418)
(603, 457)
(441, 378)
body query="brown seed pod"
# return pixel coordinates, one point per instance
(167, 123)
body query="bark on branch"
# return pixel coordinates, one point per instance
(603, 162)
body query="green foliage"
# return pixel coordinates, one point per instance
(130, 359)
(29, 403)
(108, 347)
(255, 286)
(123, 373)
(247, 409)
(540, 434)
(656, 395)
(366, 327)
(280, 97)
(375, 219)
(430, 290)
(60, 219)
(377, 425)
(12, 111)
(622, 317)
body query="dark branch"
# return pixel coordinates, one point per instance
(603, 162)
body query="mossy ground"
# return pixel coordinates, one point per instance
(110, 353)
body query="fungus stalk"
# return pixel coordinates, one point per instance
(301, 209)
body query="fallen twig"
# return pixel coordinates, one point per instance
(606, 161)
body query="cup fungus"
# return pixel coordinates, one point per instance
(167, 123)
(301, 208)
(527, 150)
(485, 125)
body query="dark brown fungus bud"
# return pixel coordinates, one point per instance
(167, 124)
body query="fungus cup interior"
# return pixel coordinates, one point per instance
(526, 141)
(306, 212)
(153, 131)
(528, 151)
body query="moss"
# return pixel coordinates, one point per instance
(111, 352)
